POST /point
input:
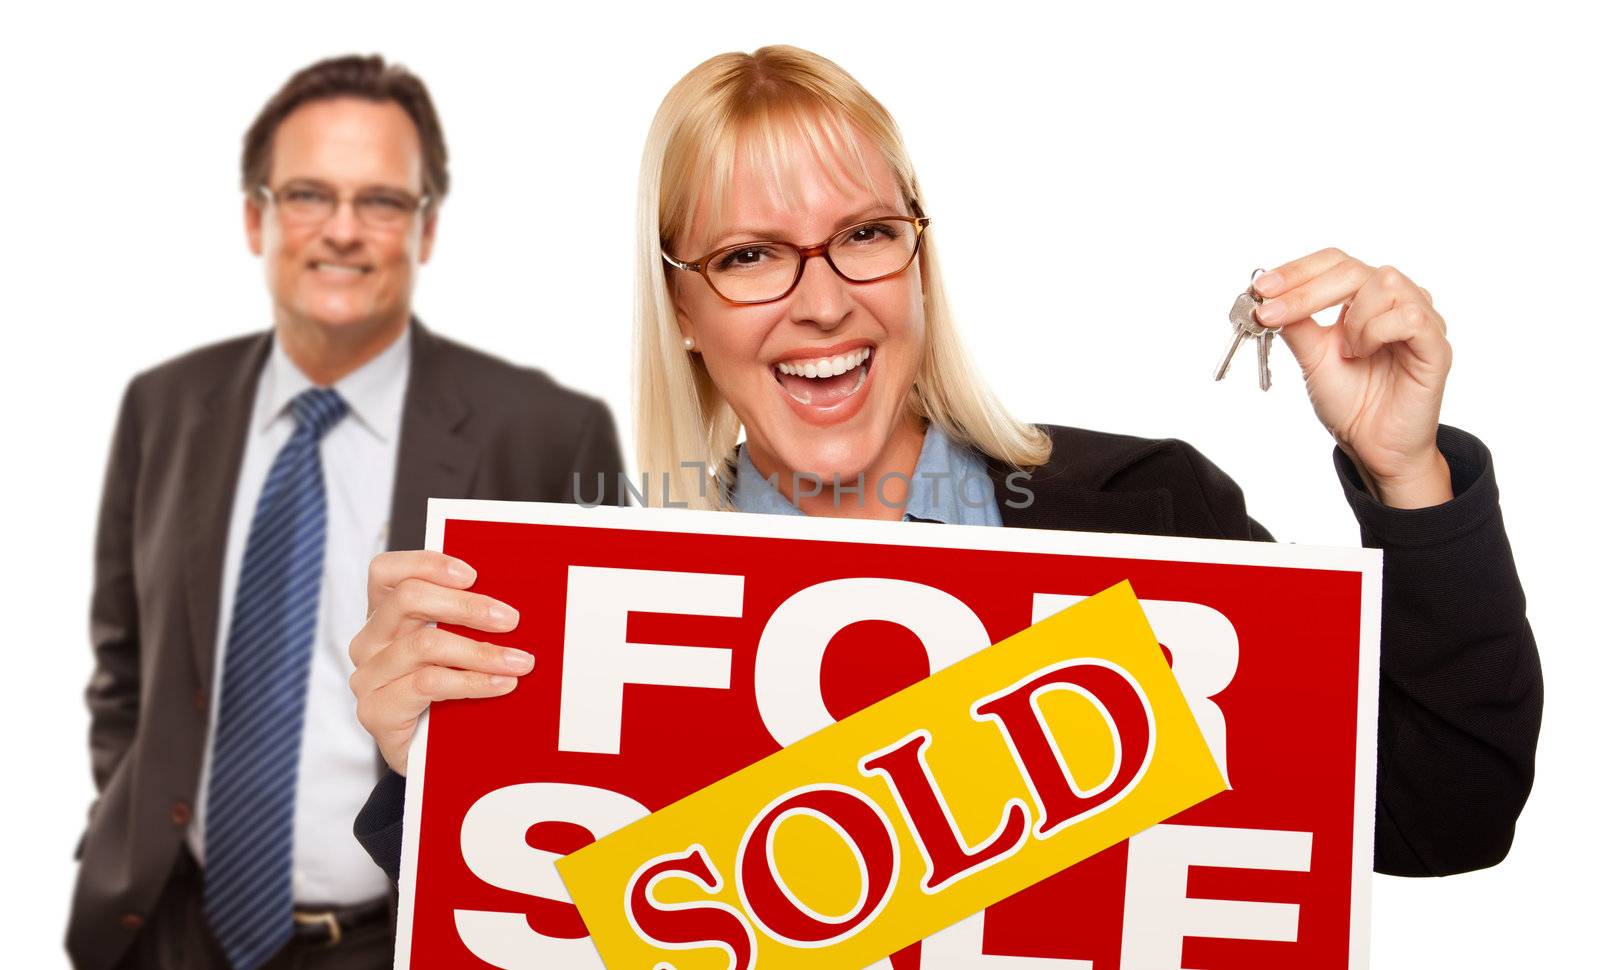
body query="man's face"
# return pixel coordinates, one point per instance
(354, 269)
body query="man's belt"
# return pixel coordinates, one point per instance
(327, 927)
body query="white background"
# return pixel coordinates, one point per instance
(1101, 182)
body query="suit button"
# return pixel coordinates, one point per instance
(132, 921)
(200, 700)
(181, 813)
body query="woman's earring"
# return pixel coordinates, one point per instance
(688, 343)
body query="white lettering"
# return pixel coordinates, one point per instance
(1205, 656)
(597, 659)
(494, 845)
(789, 658)
(1158, 911)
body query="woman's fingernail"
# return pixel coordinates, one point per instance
(503, 615)
(519, 660)
(501, 683)
(461, 572)
(1271, 312)
(1267, 284)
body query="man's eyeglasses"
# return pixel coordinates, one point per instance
(766, 271)
(312, 203)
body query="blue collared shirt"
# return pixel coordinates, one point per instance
(950, 484)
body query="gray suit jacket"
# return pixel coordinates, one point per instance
(473, 426)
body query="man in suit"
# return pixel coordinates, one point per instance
(250, 482)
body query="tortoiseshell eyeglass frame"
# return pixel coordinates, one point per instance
(918, 222)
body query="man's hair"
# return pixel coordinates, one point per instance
(352, 76)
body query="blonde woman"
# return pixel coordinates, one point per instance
(789, 289)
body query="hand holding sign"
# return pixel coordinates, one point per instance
(404, 663)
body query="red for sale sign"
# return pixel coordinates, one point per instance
(675, 648)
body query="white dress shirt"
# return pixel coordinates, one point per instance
(338, 759)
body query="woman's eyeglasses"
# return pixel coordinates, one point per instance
(766, 271)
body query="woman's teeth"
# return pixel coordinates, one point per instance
(826, 366)
(824, 381)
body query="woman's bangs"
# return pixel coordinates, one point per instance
(772, 141)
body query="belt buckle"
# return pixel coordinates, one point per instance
(325, 918)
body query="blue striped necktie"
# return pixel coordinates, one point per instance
(255, 758)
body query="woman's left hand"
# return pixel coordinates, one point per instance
(1376, 377)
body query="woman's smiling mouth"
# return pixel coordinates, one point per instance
(824, 382)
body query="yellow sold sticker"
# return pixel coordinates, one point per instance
(875, 832)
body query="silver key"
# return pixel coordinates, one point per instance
(1263, 348)
(1242, 317)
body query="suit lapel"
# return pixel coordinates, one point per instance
(436, 458)
(1060, 501)
(214, 450)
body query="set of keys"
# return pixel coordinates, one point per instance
(1245, 327)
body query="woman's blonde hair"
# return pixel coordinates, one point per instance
(765, 102)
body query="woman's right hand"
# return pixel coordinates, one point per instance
(404, 663)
